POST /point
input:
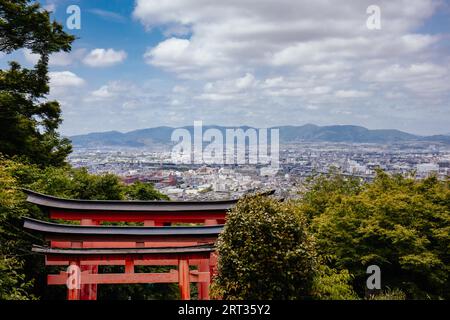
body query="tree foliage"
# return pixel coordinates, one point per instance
(28, 121)
(265, 252)
(144, 191)
(13, 285)
(37, 154)
(23, 273)
(396, 222)
(400, 223)
(332, 284)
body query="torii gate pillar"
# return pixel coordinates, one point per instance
(183, 279)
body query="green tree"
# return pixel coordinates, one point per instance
(28, 122)
(13, 284)
(23, 273)
(397, 222)
(143, 191)
(332, 284)
(323, 189)
(265, 252)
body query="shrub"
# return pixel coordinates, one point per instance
(265, 252)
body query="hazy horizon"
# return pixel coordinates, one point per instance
(246, 125)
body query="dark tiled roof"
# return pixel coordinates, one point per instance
(47, 201)
(70, 229)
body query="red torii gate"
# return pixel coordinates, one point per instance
(90, 244)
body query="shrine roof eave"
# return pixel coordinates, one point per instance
(49, 228)
(125, 251)
(52, 202)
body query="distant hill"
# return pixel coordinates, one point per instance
(308, 132)
(445, 138)
(343, 133)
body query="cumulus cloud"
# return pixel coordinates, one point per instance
(302, 57)
(266, 62)
(121, 93)
(109, 91)
(65, 79)
(103, 93)
(352, 94)
(278, 33)
(104, 57)
(398, 73)
(65, 86)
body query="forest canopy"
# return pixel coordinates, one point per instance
(340, 226)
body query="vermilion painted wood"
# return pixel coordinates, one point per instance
(203, 287)
(73, 293)
(129, 265)
(135, 278)
(183, 279)
(206, 262)
(126, 216)
(88, 291)
(151, 258)
(210, 222)
(116, 278)
(51, 261)
(77, 241)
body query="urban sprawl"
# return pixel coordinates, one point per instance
(298, 161)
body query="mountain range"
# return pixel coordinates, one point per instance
(288, 134)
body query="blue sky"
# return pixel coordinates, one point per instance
(147, 63)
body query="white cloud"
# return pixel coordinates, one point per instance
(104, 92)
(339, 50)
(109, 91)
(30, 56)
(245, 82)
(252, 33)
(395, 73)
(104, 57)
(288, 62)
(216, 97)
(352, 94)
(127, 94)
(168, 53)
(273, 82)
(187, 58)
(423, 79)
(65, 79)
(179, 89)
(66, 58)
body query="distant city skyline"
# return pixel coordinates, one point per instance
(149, 63)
